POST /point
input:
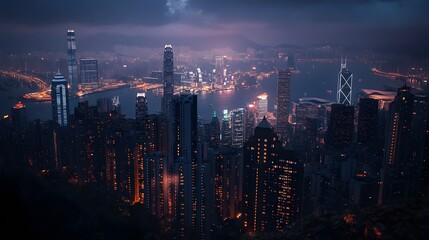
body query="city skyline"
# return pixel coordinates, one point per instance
(191, 119)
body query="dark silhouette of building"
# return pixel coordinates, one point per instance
(368, 121)
(341, 124)
(214, 132)
(405, 139)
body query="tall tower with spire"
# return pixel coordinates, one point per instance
(344, 86)
(168, 79)
(71, 60)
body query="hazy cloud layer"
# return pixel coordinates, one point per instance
(369, 22)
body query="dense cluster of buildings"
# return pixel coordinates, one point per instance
(317, 157)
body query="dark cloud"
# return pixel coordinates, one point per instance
(98, 12)
(370, 22)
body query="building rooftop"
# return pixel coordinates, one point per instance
(264, 124)
(314, 101)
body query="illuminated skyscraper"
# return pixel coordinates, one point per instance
(168, 80)
(226, 129)
(250, 120)
(214, 133)
(60, 101)
(227, 182)
(183, 155)
(141, 106)
(89, 71)
(399, 130)
(283, 101)
(238, 127)
(404, 155)
(19, 115)
(71, 60)
(155, 183)
(272, 182)
(344, 85)
(262, 106)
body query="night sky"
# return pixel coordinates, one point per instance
(364, 23)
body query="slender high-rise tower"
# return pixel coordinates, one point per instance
(183, 156)
(71, 60)
(168, 80)
(283, 101)
(238, 127)
(60, 102)
(344, 86)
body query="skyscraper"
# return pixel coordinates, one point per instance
(368, 121)
(214, 133)
(168, 80)
(71, 60)
(19, 115)
(262, 106)
(238, 127)
(399, 130)
(89, 71)
(183, 155)
(141, 106)
(404, 150)
(250, 120)
(283, 101)
(344, 85)
(226, 129)
(60, 101)
(272, 182)
(341, 124)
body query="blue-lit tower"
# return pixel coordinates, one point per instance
(344, 86)
(60, 102)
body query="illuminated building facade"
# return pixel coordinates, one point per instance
(404, 155)
(251, 115)
(272, 182)
(310, 107)
(168, 80)
(399, 130)
(227, 182)
(344, 85)
(183, 154)
(155, 183)
(18, 115)
(283, 101)
(141, 106)
(238, 127)
(226, 139)
(71, 60)
(88, 71)
(262, 106)
(60, 100)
